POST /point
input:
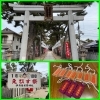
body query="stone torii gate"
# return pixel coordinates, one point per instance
(57, 8)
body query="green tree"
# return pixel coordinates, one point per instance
(89, 40)
(11, 67)
(27, 67)
(14, 67)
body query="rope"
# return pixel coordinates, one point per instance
(79, 67)
(60, 66)
(87, 67)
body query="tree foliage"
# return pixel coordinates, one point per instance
(27, 67)
(11, 67)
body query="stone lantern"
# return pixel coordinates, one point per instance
(9, 54)
(83, 53)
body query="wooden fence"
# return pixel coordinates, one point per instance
(12, 93)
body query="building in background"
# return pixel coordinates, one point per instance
(11, 41)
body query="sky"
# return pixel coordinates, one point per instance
(88, 26)
(42, 67)
(11, 26)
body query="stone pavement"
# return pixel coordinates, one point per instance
(42, 93)
(56, 56)
(49, 56)
(41, 58)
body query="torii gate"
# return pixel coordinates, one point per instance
(57, 8)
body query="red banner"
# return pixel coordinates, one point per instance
(67, 48)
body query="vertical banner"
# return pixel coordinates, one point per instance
(36, 51)
(45, 50)
(67, 49)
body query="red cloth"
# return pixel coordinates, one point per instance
(29, 89)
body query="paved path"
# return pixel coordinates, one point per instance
(42, 93)
(49, 56)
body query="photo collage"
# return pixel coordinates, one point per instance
(50, 49)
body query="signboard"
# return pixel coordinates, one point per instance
(24, 80)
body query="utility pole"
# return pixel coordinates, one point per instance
(40, 45)
(78, 28)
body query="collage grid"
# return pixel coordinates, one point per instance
(52, 94)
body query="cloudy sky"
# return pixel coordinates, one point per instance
(42, 67)
(88, 26)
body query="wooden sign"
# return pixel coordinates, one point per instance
(48, 12)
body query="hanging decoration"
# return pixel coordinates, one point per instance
(67, 48)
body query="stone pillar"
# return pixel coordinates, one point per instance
(72, 37)
(25, 36)
(83, 58)
(83, 54)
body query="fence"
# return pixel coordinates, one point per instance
(92, 56)
(12, 93)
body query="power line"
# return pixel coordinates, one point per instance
(90, 35)
(90, 20)
(89, 30)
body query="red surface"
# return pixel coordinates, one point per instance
(62, 73)
(57, 72)
(73, 75)
(64, 86)
(80, 75)
(67, 48)
(68, 74)
(29, 89)
(94, 79)
(87, 77)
